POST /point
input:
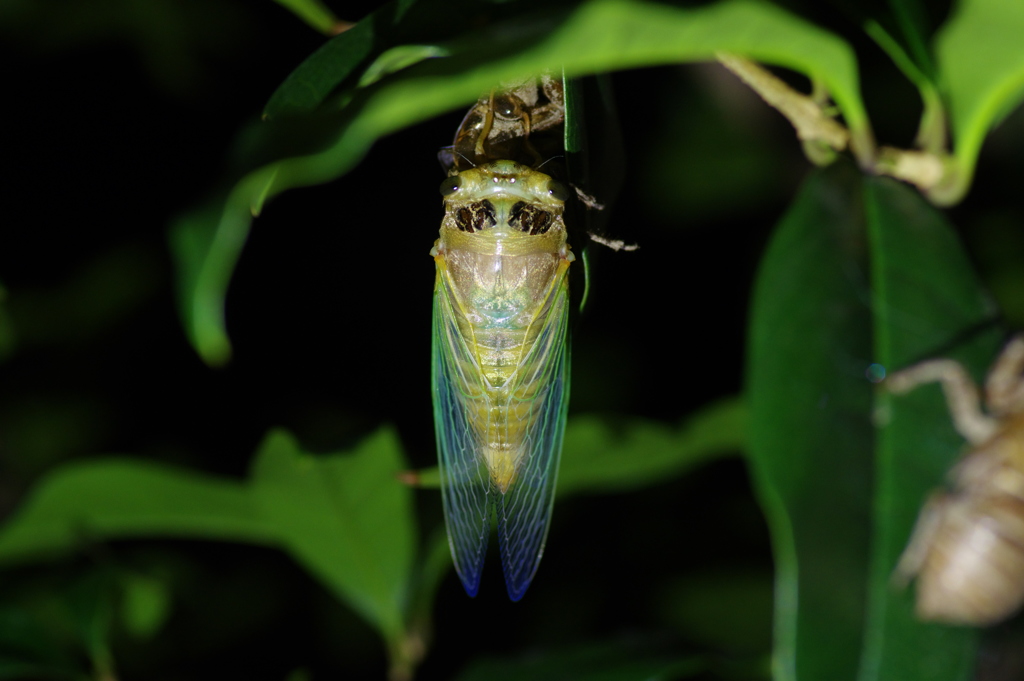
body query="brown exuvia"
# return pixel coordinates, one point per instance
(967, 549)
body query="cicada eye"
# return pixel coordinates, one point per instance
(450, 186)
(558, 190)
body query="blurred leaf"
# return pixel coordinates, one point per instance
(97, 296)
(931, 132)
(145, 604)
(927, 299)
(338, 59)
(724, 610)
(731, 157)
(124, 498)
(811, 410)
(631, 33)
(58, 628)
(16, 670)
(600, 457)
(90, 602)
(810, 432)
(171, 39)
(346, 519)
(30, 649)
(40, 429)
(981, 63)
(206, 244)
(912, 20)
(434, 564)
(398, 58)
(314, 13)
(608, 662)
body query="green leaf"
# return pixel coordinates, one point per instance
(602, 457)
(37, 641)
(981, 64)
(810, 430)
(206, 244)
(343, 57)
(931, 131)
(91, 608)
(398, 58)
(314, 13)
(597, 36)
(724, 610)
(927, 301)
(145, 604)
(912, 20)
(346, 519)
(122, 498)
(824, 474)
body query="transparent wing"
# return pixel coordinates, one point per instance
(542, 386)
(464, 480)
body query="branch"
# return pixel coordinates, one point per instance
(931, 171)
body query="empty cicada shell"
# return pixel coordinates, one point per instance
(519, 121)
(967, 549)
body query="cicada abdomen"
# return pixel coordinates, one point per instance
(500, 361)
(967, 550)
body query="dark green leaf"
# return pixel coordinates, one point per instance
(912, 20)
(927, 301)
(314, 13)
(632, 34)
(347, 519)
(121, 498)
(600, 457)
(931, 132)
(145, 604)
(810, 433)
(398, 58)
(723, 610)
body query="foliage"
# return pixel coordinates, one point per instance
(861, 275)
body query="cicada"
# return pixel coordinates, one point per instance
(500, 362)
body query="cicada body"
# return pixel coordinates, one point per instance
(500, 363)
(967, 549)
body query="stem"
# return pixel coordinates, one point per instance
(805, 113)
(930, 169)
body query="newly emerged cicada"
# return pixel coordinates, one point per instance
(967, 550)
(500, 350)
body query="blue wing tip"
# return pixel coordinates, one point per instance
(471, 585)
(517, 591)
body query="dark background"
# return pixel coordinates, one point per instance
(117, 120)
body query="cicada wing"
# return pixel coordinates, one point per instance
(464, 480)
(524, 510)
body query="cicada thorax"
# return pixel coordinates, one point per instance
(971, 539)
(502, 257)
(520, 121)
